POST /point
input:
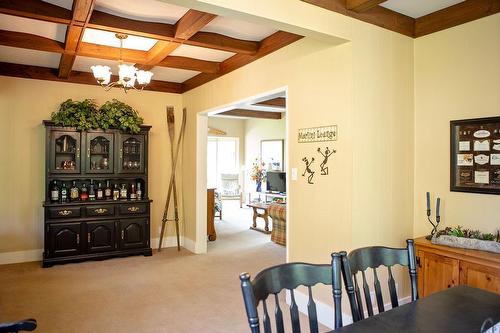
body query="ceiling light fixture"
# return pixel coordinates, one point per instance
(127, 74)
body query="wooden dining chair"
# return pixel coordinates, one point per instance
(17, 326)
(363, 259)
(273, 280)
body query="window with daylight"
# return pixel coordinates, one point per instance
(222, 158)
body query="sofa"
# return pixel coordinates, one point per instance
(277, 212)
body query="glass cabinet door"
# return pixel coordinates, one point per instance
(65, 152)
(131, 148)
(99, 153)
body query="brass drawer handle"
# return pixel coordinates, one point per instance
(133, 209)
(65, 212)
(100, 210)
(123, 234)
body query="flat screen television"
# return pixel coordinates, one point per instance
(276, 181)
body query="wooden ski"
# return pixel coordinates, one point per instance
(172, 187)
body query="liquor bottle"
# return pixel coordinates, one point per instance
(107, 191)
(116, 193)
(54, 192)
(138, 192)
(133, 195)
(100, 192)
(92, 191)
(64, 193)
(74, 193)
(123, 192)
(84, 196)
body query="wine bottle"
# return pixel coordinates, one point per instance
(64, 193)
(92, 191)
(107, 191)
(54, 192)
(116, 192)
(100, 192)
(138, 192)
(123, 192)
(74, 193)
(133, 195)
(84, 196)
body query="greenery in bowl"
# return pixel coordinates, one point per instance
(467, 233)
(86, 115)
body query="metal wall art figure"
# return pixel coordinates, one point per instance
(326, 155)
(308, 170)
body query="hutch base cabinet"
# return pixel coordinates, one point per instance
(96, 204)
(440, 267)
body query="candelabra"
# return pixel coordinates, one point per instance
(438, 217)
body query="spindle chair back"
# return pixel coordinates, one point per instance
(359, 261)
(273, 280)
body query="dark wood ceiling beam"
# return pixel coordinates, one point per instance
(242, 113)
(278, 101)
(82, 9)
(190, 23)
(457, 14)
(29, 41)
(378, 15)
(38, 43)
(163, 31)
(268, 45)
(36, 9)
(362, 5)
(51, 74)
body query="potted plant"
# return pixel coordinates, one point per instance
(258, 174)
(468, 238)
(86, 115)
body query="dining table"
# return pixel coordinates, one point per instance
(457, 309)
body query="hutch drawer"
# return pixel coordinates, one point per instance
(63, 212)
(133, 209)
(100, 210)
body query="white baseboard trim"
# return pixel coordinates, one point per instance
(325, 311)
(17, 257)
(20, 256)
(171, 241)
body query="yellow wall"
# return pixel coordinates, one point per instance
(366, 88)
(457, 76)
(23, 105)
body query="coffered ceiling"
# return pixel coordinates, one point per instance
(184, 48)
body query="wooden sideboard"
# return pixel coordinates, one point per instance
(441, 267)
(212, 235)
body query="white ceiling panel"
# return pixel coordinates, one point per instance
(172, 74)
(68, 4)
(108, 38)
(83, 64)
(29, 57)
(35, 27)
(144, 10)
(201, 53)
(238, 29)
(415, 9)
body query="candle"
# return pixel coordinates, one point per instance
(428, 201)
(437, 206)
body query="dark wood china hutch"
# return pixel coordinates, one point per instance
(78, 230)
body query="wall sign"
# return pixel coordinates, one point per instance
(317, 134)
(475, 155)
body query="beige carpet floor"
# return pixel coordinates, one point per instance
(168, 292)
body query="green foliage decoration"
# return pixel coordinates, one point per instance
(468, 233)
(86, 115)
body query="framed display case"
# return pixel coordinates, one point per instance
(475, 155)
(108, 162)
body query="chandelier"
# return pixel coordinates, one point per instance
(127, 74)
